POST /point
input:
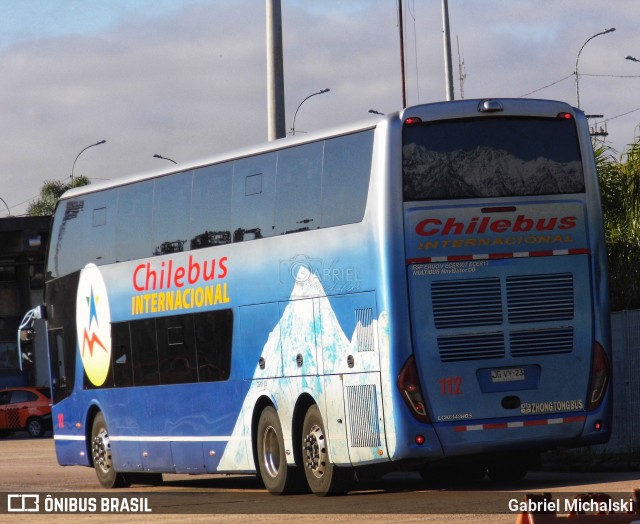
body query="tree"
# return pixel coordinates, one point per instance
(620, 190)
(50, 193)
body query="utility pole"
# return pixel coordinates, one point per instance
(447, 50)
(402, 73)
(275, 72)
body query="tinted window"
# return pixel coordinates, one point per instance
(133, 222)
(121, 359)
(67, 237)
(253, 197)
(491, 157)
(298, 188)
(99, 222)
(171, 203)
(213, 337)
(144, 348)
(345, 178)
(211, 206)
(176, 350)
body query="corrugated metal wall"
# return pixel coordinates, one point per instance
(625, 437)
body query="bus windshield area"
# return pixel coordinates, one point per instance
(491, 157)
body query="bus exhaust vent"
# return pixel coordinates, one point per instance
(363, 416)
(364, 329)
(541, 342)
(460, 303)
(475, 346)
(540, 298)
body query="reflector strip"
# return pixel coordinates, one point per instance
(521, 424)
(494, 256)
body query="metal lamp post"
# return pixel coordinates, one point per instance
(165, 158)
(293, 125)
(611, 30)
(74, 162)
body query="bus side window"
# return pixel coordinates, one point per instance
(210, 221)
(144, 349)
(345, 178)
(134, 238)
(299, 174)
(253, 198)
(121, 361)
(176, 350)
(171, 203)
(213, 338)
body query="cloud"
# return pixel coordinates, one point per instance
(190, 81)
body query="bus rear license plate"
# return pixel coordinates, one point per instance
(507, 375)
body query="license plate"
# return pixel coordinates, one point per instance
(507, 375)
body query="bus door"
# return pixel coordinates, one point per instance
(351, 365)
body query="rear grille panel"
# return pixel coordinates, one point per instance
(499, 306)
(475, 346)
(540, 298)
(461, 303)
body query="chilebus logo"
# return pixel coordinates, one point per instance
(93, 324)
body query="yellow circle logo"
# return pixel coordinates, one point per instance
(93, 324)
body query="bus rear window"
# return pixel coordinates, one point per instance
(491, 157)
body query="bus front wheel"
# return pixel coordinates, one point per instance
(102, 457)
(324, 478)
(277, 475)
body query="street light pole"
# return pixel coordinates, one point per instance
(164, 158)
(74, 162)
(610, 30)
(8, 210)
(293, 125)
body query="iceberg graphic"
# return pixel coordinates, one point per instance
(308, 328)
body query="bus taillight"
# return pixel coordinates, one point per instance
(409, 386)
(600, 374)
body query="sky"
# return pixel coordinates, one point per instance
(187, 79)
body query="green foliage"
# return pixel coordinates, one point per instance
(620, 190)
(50, 193)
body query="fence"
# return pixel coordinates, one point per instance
(625, 437)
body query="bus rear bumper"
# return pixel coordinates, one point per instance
(540, 433)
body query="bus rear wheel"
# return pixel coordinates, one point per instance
(278, 477)
(324, 477)
(102, 457)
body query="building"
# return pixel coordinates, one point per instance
(23, 244)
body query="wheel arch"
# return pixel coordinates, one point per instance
(304, 402)
(88, 427)
(261, 403)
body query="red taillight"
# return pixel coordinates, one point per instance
(565, 116)
(409, 386)
(600, 374)
(412, 121)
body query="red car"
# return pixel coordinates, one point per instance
(25, 409)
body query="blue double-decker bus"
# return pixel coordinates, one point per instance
(424, 291)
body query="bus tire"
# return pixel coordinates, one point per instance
(278, 477)
(324, 477)
(102, 457)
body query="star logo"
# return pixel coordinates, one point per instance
(93, 323)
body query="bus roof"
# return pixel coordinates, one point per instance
(229, 155)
